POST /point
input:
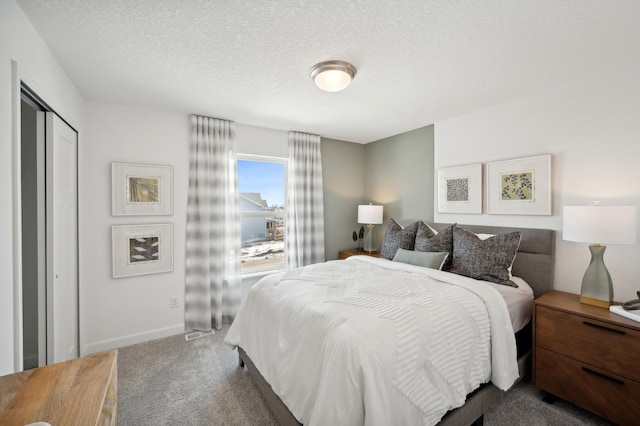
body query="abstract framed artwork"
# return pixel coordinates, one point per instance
(521, 186)
(460, 189)
(142, 249)
(138, 189)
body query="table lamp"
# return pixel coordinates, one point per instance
(369, 215)
(598, 224)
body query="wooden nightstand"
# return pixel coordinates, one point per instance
(587, 356)
(356, 252)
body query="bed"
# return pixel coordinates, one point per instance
(342, 383)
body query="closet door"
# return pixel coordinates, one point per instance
(62, 240)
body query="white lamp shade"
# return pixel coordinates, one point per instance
(369, 214)
(599, 224)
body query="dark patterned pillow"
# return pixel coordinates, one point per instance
(427, 240)
(487, 260)
(398, 237)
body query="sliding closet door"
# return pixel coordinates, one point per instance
(62, 240)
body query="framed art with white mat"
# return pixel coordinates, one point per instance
(460, 189)
(142, 249)
(139, 189)
(520, 186)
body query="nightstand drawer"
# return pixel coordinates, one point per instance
(598, 343)
(601, 392)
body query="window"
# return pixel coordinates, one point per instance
(262, 187)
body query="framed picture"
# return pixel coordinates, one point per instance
(521, 186)
(138, 189)
(460, 189)
(142, 249)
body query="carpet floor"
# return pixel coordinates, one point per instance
(174, 382)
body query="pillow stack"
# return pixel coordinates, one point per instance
(479, 256)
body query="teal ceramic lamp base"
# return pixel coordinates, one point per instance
(369, 241)
(597, 288)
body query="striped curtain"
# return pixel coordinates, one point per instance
(212, 290)
(305, 209)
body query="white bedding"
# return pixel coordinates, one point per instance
(519, 301)
(369, 341)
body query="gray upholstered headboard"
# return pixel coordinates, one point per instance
(536, 256)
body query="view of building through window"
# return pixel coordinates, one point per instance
(262, 213)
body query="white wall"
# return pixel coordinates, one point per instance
(123, 311)
(19, 41)
(591, 129)
(259, 141)
(117, 312)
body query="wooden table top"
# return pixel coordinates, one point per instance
(67, 393)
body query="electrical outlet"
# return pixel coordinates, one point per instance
(173, 302)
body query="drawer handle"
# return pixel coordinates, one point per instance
(604, 376)
(602, 327)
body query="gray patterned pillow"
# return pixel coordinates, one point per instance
(398, 237)
(427, 240)
(487, 260)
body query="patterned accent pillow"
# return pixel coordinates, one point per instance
(398, 237)
(487, 260)
(428, 240)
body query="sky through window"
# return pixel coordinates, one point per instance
(264, 177)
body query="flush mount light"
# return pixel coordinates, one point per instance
(333, 76)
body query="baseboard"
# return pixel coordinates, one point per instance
(132, 339)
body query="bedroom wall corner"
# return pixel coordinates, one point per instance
(343, 182)
(399, 175)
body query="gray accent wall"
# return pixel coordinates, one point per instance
(343, 183)
(399, 174)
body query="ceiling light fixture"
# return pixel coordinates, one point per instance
(332, 76)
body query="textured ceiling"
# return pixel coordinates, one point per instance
(418, 61)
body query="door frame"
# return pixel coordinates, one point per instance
(19, 78)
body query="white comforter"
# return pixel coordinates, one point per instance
(374, 342)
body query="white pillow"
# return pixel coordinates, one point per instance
(484, 236)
